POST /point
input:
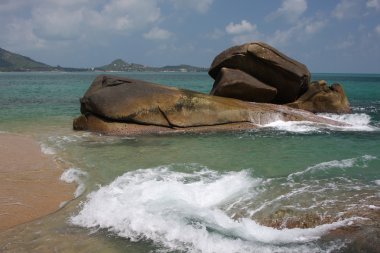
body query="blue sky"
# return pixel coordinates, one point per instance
(328, 36)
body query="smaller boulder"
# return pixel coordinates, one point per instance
(234, 83)
(268, 65)
(321, 98)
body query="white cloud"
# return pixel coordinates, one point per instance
(377, 29)
(242, 32)
(11, 5)
(157, 34)
(58, 24)
(127, 15)
(347, 9)
(373, 4)
(314, 26)
(304, 29)
(243, 27)
(54, 21)
(22, 29)
(201, 6)
(291, 10)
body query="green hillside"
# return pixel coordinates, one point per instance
(14, 62)
(120, 65)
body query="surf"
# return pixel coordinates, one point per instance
(208, 211)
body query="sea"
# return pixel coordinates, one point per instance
(281, 187)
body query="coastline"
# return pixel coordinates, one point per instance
(30, 182)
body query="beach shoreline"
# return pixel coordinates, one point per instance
(30, 182)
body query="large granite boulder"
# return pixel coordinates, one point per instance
(135, 101)
(322, 98)
(234, 83)
(271, 67)
(116, 105)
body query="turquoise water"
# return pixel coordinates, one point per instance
(230, 192)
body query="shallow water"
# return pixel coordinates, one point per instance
(284, 187)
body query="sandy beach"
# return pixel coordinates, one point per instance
(30, 186)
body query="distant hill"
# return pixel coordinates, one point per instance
(14, 62)
(120, 65)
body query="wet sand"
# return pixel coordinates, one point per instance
(29, 182)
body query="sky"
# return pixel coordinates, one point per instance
(327, 35)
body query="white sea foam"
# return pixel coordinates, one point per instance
(356, 122)
(47, 150)
(183, 211)
(294, 126)
(335, 164)
(377, 182)
(61, 142)
(75, 175)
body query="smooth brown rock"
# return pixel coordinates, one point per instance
(134, 101)
(268, 65)
(321, 98)
(123, 106)
(234, 83)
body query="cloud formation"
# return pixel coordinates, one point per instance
(157, 34)
(201, 6)
(347, 9)
(93, 32)
(80, 20)
(242, 32)
(290, 10)
(375, 4)
(377, 30)
(243, 27)
(304, 29)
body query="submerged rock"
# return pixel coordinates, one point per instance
(263, 62)
(117, 105)
(322, 98)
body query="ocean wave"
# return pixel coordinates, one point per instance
(60, 142)
(75, 175)
(186, 212)
(335, 164)
(294, 126)
(356, 122)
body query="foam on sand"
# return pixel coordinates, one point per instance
(47, 150)
(75, 175)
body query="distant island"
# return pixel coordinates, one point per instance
(10, 62)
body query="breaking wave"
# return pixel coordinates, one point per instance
(208, 211)
(75, 175)
(356, 122)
